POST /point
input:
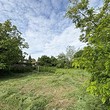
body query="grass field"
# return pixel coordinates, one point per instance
(62, 90)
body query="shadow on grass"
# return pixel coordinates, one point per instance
(11, 75)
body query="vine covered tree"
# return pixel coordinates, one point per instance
(95, 27)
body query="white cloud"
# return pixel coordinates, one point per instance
(70, 36)
(42, 23)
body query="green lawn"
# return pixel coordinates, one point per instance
(62, 90)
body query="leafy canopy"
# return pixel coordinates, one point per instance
(11, 45)
(95, 27)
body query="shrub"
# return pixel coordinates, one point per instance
(46, 69)
(21, 68)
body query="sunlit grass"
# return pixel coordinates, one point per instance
(62, 90)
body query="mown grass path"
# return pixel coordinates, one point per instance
(62, 90)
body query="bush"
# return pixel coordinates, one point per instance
(21, 68)
(45, 69)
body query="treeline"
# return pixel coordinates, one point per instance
(60, 61)
(12, 58)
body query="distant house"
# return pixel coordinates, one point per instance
(33, 62)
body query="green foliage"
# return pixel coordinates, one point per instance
(63, 61)
(78, 54)
(77, 61)
(21, 68)
(86, 101)
(11, 45)
(70, 51)
(29, 60)
(47, 61)
(46, 69)
(44, 61)
(95, 28)
(30, 103)
(53, 61)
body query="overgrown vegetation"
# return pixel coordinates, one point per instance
(95, 27)
(11, 45)
(64, 89)
(12, 58)
(49, 87)
(60, 61)
(45, 69)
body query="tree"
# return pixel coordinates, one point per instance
(62, 61)
(78, 54)
(11, 45)
(53, 61)
(44, 61)
(95, 27)
(29, 59)
(47, 61)
(77, 60)
(70, 50)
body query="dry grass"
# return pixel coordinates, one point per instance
(44, 91)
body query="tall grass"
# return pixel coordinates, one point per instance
(45, 69)
(63, 90)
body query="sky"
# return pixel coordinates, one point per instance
(43, 25)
